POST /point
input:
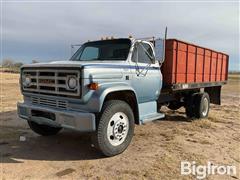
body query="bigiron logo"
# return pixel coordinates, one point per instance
(202, 171)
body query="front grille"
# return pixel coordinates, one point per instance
(51, 81)
(49, 102)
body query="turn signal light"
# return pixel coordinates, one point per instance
(93, 86)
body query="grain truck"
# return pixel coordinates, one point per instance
(108, 86)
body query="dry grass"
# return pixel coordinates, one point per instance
(10, 91)
(204, 124)
(197, 125)
(235, 76)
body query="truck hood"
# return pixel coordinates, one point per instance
(71, 63)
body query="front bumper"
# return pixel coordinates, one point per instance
(81, 121)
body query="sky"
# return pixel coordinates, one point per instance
(44, 30)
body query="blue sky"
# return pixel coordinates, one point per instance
(44, 31)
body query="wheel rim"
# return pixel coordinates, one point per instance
(117, 129)
(205, 107)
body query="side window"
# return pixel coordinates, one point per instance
(143, 57)
(143, 53)
(89, 53)
(148, 48)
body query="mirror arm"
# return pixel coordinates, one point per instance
(164, 45)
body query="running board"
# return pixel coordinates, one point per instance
(153, 117)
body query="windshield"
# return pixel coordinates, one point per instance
(116, 49)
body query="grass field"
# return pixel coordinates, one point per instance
(155, 152)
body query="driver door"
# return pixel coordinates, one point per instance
(146, 76)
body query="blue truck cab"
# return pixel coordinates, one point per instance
(106, 88)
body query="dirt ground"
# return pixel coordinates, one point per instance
(155, 152)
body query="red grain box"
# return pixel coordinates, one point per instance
(190, 63)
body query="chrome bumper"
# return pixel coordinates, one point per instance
(81, 121)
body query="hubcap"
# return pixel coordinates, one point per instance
(205, 107)
(117, 129)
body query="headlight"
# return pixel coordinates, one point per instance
(26, 81)
(72, 83)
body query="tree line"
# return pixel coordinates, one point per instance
(9, 65)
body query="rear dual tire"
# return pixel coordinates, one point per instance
(198, 105)
(202, 105)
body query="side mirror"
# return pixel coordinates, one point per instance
(159, 50)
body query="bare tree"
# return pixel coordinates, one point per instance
(34, 61)
(18, 64)
(8, 63)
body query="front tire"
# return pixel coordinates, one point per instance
(43, 130)
(115, 128)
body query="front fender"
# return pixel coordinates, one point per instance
(98, 97)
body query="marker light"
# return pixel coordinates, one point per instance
(93, 86)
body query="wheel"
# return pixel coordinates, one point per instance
(174, 105)
(115, 128)
(189, 107)
(189, 112)
(202, 105)
(43, 130)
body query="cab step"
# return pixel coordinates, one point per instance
(152, 117)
